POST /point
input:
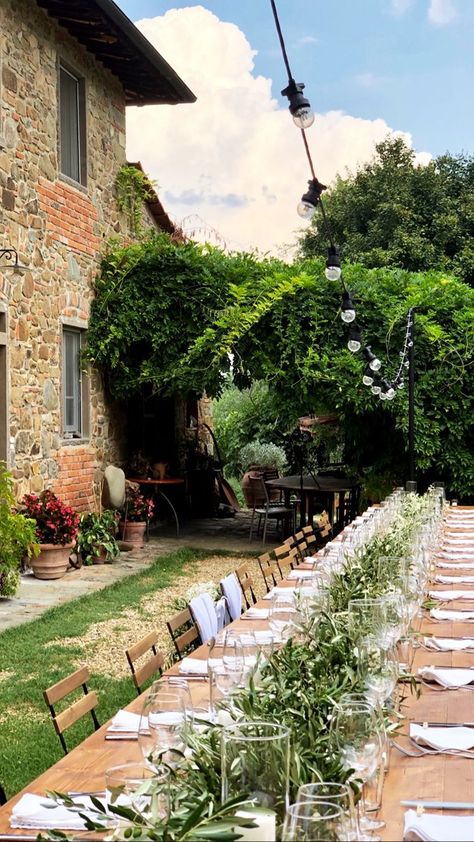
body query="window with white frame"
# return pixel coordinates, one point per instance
(74, 391)
(72, 125)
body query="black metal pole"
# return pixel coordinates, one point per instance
(411, 400)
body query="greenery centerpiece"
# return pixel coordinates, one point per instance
(17, 537)
(96, 537)
(56, 529)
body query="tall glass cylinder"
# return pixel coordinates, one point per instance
(255, 762)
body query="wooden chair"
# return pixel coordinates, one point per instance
(153, 665)
(306, 541)
(246, 583)
(75, 711)
(287, 558)
(183, 631)
(270, 570)
(323, 530)
(269, 510)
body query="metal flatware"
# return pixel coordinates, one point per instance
(439, 805)
(443, 724)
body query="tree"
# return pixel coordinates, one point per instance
(395, 213)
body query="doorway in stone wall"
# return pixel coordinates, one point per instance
(151, 435)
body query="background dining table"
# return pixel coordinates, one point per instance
(429, 777)
(317, 491)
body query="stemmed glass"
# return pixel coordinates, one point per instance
(311, 821)
(281, 615)
(378, 669)
(335, 793)
(163, 723)
(355, 735)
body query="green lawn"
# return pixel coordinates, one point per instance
(29, 663)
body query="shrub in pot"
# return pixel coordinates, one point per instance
(95, 540)
(138, 510)
(17, 537)
(56, 529)
(255, 458)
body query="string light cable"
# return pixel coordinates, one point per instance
(311, 200)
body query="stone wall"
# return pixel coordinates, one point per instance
(58, 228)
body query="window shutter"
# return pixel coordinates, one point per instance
(69, 128)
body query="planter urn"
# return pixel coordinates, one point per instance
(52, 561)
(134, 532)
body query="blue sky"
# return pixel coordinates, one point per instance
(369, 58)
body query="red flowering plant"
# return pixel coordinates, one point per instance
(56, 523)
(138, 507)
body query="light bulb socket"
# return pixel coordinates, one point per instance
(334, 258)
(313, 194)
(373, 361)
(348, 313)
(296, 98)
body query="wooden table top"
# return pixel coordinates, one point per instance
(151, 481)
(438, 777)
(317, 483)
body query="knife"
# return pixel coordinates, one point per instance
(443, 724)
(440, 805)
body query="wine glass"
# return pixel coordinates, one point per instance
(281, 615)
(243, 646)
(355, 735)
(138, 787)
(163, 723)
(313, 821)
(378, 669)
(334, 793)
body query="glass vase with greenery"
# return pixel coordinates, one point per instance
(96, 537)
(17, 537)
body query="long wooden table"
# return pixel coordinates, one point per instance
(428, 777)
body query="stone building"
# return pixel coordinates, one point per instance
(68, 69)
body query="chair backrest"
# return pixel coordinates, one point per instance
(246, 583)
(311, 538)
(150, 667)
(270, 570)
(183, 632)
(76, 710)
(324, 528)
(113, 488)
(232, 592)
(259, 491)
(3, 797)
(301, 544)
(287, 558)
(203, 612)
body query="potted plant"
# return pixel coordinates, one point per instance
(95, 540)
(138, 510)
(255, 458)
(56, 528)
(17, 537)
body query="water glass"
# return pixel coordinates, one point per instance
(339, 794)
(139, 787)
(282, 615)
(309, 820)
(163, 724)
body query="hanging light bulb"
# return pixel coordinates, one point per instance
(348, 312)
(383, 396)
(376, 388)
(390, 393)
(368, 377)
(333, 264)
(309, 200)
(300, 107)
(355, 338)
(400, 384)
(372, 360)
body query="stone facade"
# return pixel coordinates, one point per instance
(58, 228)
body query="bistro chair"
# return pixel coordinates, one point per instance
(324, 529)
(232, 593)
(152, 666)
(208, 616)
(183, 632)
(246, 583)
(269, 510)
(287, 558)
(78, 708)
(270, 571)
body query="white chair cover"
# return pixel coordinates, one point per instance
(233, 595)
(203, 610)
(223, 617)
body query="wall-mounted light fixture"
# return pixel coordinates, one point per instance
(10, 255)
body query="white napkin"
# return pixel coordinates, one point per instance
(30, 812)
(193, 666)
(446, 614)
(256, 614)
(290, 592)
(448, 644)
(311, 559)
(455, 580)
(433, 827)
(124, 720)
(459, 739)
(466, 540)
(458, 554)
(449, 596)
(456, 565)
(303, 574)
(447, 676)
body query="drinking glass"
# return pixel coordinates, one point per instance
(139, 787)
(256, 760)
(335, 793)
(282, 615)
(242, 646)
(163, 724)
(378, 669)
(367, 617)
(307, 821)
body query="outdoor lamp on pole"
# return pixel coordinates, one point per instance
(310, 199)
(300, 107)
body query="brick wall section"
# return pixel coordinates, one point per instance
(69, 216)
(77, 469)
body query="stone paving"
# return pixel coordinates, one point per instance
(36, 596)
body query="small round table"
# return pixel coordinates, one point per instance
(158, 485)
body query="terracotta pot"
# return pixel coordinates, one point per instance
(52, 562)
(253, 497)
(101, 558)
(134, 532)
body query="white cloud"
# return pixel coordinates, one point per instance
(307, 40)
(400, 7)
(368, 80)
(234, 157)
(441, 12)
